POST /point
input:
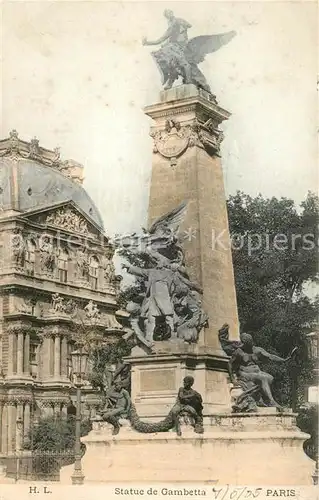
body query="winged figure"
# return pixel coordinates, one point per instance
(159, 243)
(179, 57)
(163, 233)
(167, 303)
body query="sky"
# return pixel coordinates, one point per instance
(75, 75)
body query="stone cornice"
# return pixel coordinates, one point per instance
(99, 243)
(106, 300)
(193, 105)
(196, 119)
(49, 402)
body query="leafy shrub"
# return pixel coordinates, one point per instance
(55, 434)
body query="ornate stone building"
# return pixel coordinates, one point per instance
(56, 278)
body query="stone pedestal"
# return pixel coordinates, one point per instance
(243, 449)
(156, 378)
(186, 166)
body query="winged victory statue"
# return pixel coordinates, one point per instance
(179, 57)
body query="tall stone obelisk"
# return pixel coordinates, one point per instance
(187, 167)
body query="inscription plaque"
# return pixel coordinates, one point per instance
(158, 380)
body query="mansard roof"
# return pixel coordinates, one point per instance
(33, 177)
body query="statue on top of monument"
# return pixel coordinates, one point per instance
(179, 57)
(245, 361)
(166, 305)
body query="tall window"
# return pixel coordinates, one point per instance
(94, 272)
(33, 358)
(30, 257)
(63, 266)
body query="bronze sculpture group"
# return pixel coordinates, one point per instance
(168, 305)
(117, 405)
(245, 372)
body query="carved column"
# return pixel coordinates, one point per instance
(10, 353)
(11, 427)
(64, 409)
(50, 408)
(46, 357)
(51, 356)
(64, 355)
(26, 420)
(26, 364)
(57, 409)
(57, 356)
(20, 353)
(19, 427)
(4, 429)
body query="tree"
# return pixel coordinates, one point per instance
(109, 354)
(274, 248)
(54, 433)
(52, 442)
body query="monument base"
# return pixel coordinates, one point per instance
(239, 449)
(156, 378)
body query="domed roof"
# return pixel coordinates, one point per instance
(39, 180)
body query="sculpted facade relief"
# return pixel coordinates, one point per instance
(82, 264)
(108, 270)
(91, 310)
(18, 250)
(69, 220)
(174, 140)
(61, 305)
(47, 255)
(51, 254)
(26, 305)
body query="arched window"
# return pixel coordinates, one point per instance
(63, 264)
(94, 272)
(30, 256)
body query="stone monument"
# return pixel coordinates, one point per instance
(184, 291)
(187, 199)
